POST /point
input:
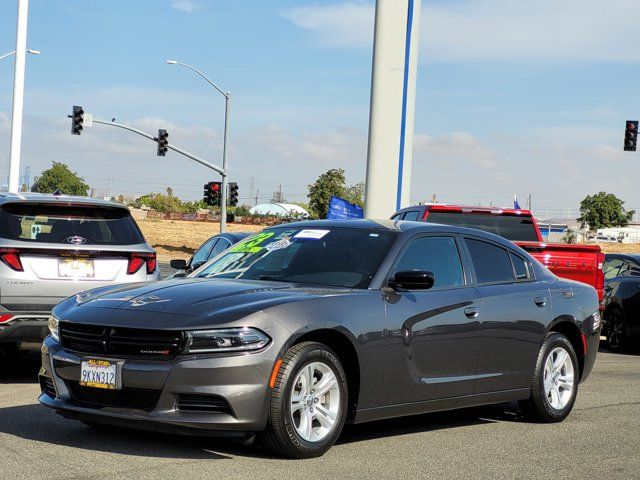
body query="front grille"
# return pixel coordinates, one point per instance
(203, 403)
(124, 342)
(46, 385)
(135, 398)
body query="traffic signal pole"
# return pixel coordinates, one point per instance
(225, 182)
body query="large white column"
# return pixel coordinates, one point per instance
(18, 95)
(393, 87)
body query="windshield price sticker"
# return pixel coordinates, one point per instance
(312, 234)
(279, 245)
(253, 245)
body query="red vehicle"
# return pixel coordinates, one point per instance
(575, 262)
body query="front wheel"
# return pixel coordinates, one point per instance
(616, 332)
(308, 403)
(555, 381)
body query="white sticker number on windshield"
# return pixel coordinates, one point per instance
(313, 234)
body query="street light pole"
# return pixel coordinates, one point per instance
(18, 95)
(31, 51)
(225, 150)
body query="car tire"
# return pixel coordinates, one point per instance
(551, 400)
(299, 424)
(616, 330)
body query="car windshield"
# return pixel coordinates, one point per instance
(76, 225)
(338, 257)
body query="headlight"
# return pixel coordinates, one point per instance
(225, 340)
(53, 328)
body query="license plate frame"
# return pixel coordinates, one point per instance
(76, 268)
(101, 374)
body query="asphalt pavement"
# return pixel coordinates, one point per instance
(600, 439)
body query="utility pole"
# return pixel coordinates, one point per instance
(529, 202)
(257, 193)
(252, 181)
(18, 95)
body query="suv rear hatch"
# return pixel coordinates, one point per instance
(51, 251)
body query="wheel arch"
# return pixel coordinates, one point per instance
(568, 326)
(343, 346)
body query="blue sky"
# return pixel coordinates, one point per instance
(512, 97)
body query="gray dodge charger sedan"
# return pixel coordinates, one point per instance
(303, 327)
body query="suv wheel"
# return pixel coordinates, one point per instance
(308, 404)
(555, 382)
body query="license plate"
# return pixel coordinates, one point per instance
(75, 268)
(99, 374)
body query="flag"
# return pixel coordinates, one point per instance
(340, 209)
(516, 205)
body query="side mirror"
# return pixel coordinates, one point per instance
(412, 280)
(196, 266)
(178, 264)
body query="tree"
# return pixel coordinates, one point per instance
(59, 177)
(603, 210)
(355, 194)
(328, 184)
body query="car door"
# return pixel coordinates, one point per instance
(515, 311)
(433, 336)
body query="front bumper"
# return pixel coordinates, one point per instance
(240, 380)
(24, 327)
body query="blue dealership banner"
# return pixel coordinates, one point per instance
(340, 209)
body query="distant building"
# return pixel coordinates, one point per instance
(279, 210)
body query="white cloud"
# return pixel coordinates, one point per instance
(183, 5)
(544, 30)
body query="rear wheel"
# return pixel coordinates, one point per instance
(555, 382)
(616, 333)
(308, 403)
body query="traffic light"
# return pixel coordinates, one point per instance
(213, 193)
(77, 119)
(233, 194)
(162, 142)
(631, 136)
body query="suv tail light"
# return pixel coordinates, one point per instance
(11, 258)
(136, 260)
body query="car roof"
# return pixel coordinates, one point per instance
(624, 256)
(398, 226)
(446, 207)
(49, 198)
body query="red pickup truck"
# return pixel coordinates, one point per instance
(576, 262)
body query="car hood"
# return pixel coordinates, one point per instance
(192, 297)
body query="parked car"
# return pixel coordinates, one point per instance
(605, 239)
(621, 319)
(54, 246)
(209, 249)
(574, 262)
(303, 327)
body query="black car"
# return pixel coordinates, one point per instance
(209, 249)
(303, 327)
(621, 319)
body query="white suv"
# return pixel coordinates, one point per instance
(54, 246)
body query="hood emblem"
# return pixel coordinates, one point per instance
(76, 240)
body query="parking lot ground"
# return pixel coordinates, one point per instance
(600, 439)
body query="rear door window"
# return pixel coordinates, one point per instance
(492, 263)
(63, 224)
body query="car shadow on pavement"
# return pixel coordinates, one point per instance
(20, 366)
(37, 423)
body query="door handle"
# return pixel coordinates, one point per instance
(471, 312)
(540, 301)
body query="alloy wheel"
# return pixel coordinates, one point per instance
(315, 402)
(559, 378)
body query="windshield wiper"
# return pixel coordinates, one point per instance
(271, 279)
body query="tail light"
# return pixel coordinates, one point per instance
(136, 260)
(600, 276)
(11, 258)
(5, 318)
